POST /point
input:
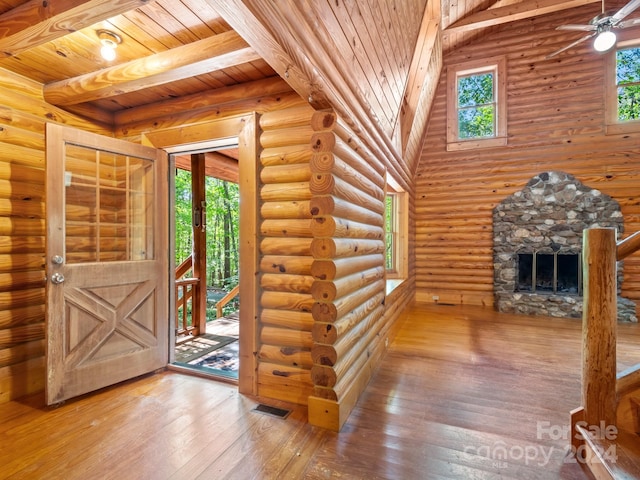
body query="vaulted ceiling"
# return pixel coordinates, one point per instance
(217, 51)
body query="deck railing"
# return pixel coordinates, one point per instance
(226, 299)
(185, 288)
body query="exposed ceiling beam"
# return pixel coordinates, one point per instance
(202, 100)
(224, 50)
(216, 165)
(511, 13)
(40, 21)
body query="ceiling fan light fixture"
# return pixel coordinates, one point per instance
(604, 40)
(110, 42)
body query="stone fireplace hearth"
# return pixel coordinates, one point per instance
(537, 242)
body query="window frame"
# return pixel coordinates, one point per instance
(495, 65)
(400, 207)
(613, 126)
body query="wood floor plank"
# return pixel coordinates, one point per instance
(462, 392)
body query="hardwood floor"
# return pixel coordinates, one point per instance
(463, 393)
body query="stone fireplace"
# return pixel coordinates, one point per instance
(537, 243)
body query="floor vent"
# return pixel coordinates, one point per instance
(269, 410)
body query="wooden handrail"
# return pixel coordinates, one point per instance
(226, 299)
(184, 267)
(628, 246)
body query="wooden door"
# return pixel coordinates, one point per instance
(106, 261)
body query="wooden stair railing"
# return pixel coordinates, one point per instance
(601, 385)
(184, 292)
(226, 299)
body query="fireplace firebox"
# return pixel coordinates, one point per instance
(549, 272)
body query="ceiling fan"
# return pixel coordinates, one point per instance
(602, 27)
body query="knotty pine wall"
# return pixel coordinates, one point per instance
(23, 114)
(555, 121)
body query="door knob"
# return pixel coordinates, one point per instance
(57, 260)
(57, 278)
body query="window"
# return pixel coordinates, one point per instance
(622, 88)
(396, 221)
(476, 105)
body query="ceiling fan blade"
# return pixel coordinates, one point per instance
(624, 11)
(584, 28)
(572, 44)
(629, 23)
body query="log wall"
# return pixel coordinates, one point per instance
(555, 121)
(23, 114)
(352, 316)
(285, 321)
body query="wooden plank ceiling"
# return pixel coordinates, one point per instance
(175, 49)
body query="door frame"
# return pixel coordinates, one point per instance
(244, 130)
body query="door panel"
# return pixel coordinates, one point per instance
(106, 261)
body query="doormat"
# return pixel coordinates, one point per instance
(200, 347)
(224, 359)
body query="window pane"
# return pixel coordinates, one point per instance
(390, 231)
(628, 65)
(476, 122)
(475, 90)
(629, 102)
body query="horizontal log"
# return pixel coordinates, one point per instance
(33, 176)
(21, 227)
(330, 205)
(296, 265)
(286, 246)
(22, 379)
(21, 315)
(332, 311)
(23, 280)
(283, 282)
(285, 337)
(286, 228)
(351, 139)
(23, 156)
(25, 333)
(331, 269)
(279, 192)
(328, 333)
(26, 351)
(295, 320)
(286, 136)
(286, 301)
(341, 228)
(157, 128)
(351, 157)
(15, 244)
(357, 338)
(23, 261)
(286, 155)
(323, 120)
(327, 163)
(298, 172)
(328, 291)
(294, 356)
(329, 184)
(323, 142)
(344, 247)
(286, 210)
(284, 376)
(287, 118)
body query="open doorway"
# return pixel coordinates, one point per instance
(206, 228)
